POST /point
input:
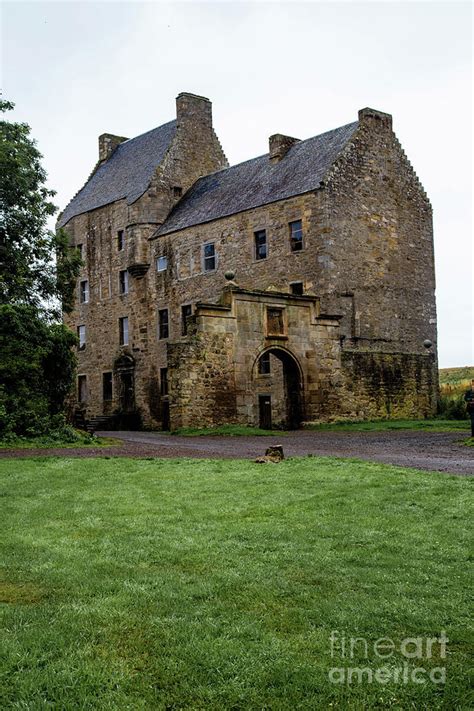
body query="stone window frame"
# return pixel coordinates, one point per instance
(294, 283)
(80, 249)
(184, 320)
(164, 385)
(210, 243)
(124, 282)
(82, 341)
(124, 331)
(84, 291)
(163, 324)
(256, 234)
(283, 334)
(82, 388)
(120, 240)
(263, 366)
(292, 239)
(164, 260)
(107, 399)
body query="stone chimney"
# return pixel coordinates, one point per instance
(193, 110)
(107, 145)
(279, 146)
(369, 116)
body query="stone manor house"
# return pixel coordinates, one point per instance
(296, 286)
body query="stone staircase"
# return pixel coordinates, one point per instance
(102, 422)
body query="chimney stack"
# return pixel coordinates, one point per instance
(372, 115)
(107, 145)
(194, 110)
(280, 145)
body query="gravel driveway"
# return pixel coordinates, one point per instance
(433, 451)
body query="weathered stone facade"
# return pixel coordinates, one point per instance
(352, 335)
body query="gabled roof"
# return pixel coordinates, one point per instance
(126, 174)
(258, 181)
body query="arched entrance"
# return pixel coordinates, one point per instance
(279, 386)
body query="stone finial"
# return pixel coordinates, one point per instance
(191, 108)
(229, 277)
(279, 145)
(107, 145)
(368, 115)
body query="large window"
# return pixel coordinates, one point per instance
(84, 291)
(81, 334)
(82, 388)
(296, 236)
(106, 387)
(186, 313)
(161, 263)
(163, 323)
(209, 257)
(123, 331)
(260, 238)
(123, 281)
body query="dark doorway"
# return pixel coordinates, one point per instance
(265, 412)
(127, 393)
(283, 380)
(165, 414)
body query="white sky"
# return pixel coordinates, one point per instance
(78, 69)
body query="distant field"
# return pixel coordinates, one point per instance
(453, 376)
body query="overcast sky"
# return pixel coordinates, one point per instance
(78, 69)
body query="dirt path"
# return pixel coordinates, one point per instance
(433, 451)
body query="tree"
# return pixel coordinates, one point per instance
(28, 272)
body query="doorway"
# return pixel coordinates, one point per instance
(265, 412)
(279, 374)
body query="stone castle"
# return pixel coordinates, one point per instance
(296, 286)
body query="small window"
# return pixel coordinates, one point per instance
(82, 388)
(163, 323)
(275, 321)
(81, 334)
(164, 381)
(296, 236)
(84, 291)
(80, 249)
(177, 191)
(162, 263)
(264, 364)
(106, 387)
(186, 313)
(209, 252)
(123, 331)
(260, 238)
(123, 281)
(120, 240)
(296, 288)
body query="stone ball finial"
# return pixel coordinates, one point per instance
(230, 275)
(427, 343)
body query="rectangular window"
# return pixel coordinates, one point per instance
(82, 388)
(275, 322)
(296, 236)
(84, 292)
(120, 240)
(81, 334)
(264, 364)
(162, 263)
(163, 323)
(123, 281)
(123, 331)
(177, 191)
(209, 253)
(80, 249)
(296, 288)
(164, 381)
(186, 313)
(106, 387)
(260, 244)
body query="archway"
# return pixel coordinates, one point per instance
(279, 389)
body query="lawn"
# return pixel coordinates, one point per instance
(435, 425)
(185, 584)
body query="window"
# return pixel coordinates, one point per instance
(177, 191)
(123, 281)
(123, 331)
(120, 240)
(275, 321)
(84, 291)
(296, 236)
(264, 364)
(186, 313)
(82, 388)
(106, 387)
(209, 253)
(260, 244)
(164, 381)
(81, 334)
(162, 263)
(296, 288)
(80, 249)
(163, 323)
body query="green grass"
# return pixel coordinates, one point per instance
(384, 425)
(185, 584)
(45, 442)
(455, 375)
(228, 430)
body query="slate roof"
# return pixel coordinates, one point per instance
(126, 174)
(258, 181)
